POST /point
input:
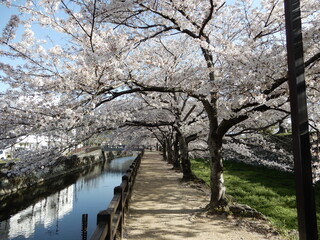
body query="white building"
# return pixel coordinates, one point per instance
(26, 143)
(32, 142)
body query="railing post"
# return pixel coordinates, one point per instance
(133, 170)
(125, 178)
(84, 231)
(119, 191)
(105, 217)
(130, 184)
(127, 190)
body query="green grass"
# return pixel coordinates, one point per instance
(269, 191)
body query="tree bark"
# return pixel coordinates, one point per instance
(164, 151)
(185, 161)
(176, 156)
(218, 189)
(281, 128)
(169, 151)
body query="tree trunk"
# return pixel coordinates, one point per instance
(218, 197)
(164, 151)
(103, 156)
(185, 161)
(176, 157)
(281, 128)
(169, 151)
(218, 190)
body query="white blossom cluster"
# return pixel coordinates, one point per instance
(271, 151)
(151, 70)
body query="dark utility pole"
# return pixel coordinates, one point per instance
(299, 117)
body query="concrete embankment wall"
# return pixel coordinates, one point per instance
(63, 166)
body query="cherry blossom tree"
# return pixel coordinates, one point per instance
(230, 58)
(172, 118)
(55, 86)
(243, 50)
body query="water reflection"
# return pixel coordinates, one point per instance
(46, 212)
(58, 215)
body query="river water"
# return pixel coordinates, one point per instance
(55, 211)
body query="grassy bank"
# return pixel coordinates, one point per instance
(269, 191)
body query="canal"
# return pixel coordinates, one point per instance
(55, 211)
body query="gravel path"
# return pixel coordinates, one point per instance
(163, 208)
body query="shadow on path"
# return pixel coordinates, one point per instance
(163, 208)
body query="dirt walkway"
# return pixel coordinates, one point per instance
(163, 208)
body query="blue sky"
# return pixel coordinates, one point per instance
(5, 14)
(40, 32)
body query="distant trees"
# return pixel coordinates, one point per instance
(243, 67)
(228, 60)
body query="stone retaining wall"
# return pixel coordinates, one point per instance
(62, 166)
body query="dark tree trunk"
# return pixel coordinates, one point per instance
(218, 196)
(169, 151)
(185, 161)
(218, 189)
(103, 155)
(164, 151)
(176, 157)
(281, 128)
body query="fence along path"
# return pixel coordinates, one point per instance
(163, 208)
(110, 221)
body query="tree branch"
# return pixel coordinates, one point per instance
(207, 19)
(148, 124)
(278, 82)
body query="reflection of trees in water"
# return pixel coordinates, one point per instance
(30, 196)
(46, 212)
(51, 197)
(113, 169)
